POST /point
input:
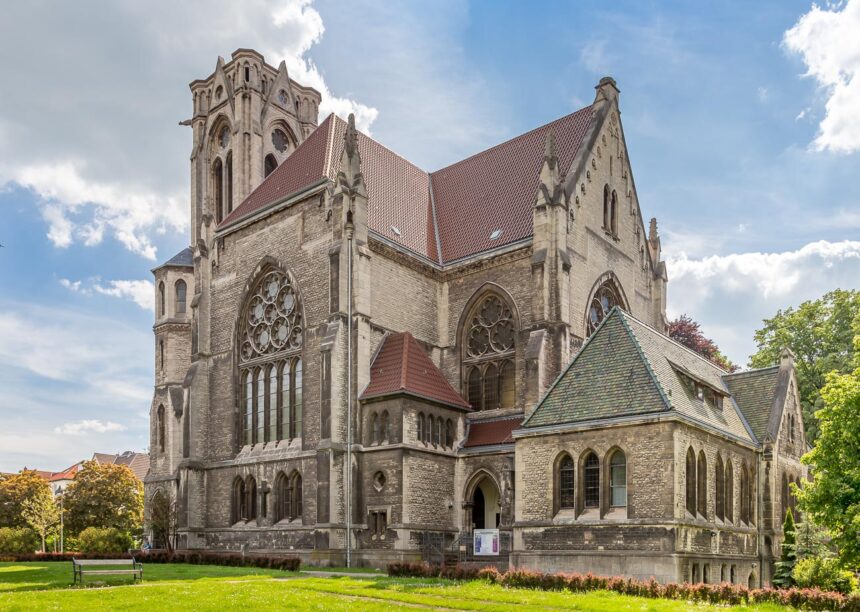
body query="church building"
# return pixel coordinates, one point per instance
(360, 360)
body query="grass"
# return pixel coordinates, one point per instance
(46, 586)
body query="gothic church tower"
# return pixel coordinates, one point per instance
(248, 117)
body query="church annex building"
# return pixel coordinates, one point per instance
(495, 329)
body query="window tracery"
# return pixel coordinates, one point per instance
(270, 341)
(489, 341)
(605, 298)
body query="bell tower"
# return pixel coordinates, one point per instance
(248, 117)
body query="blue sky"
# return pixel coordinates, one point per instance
(741, 119)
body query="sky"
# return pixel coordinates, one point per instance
(742, 122)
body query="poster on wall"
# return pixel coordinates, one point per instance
(486, 542)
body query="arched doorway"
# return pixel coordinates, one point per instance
(485, 504)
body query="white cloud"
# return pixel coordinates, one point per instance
(99, 145)
(88, 426)
(141, 292)
(828, 40)
(730, 295)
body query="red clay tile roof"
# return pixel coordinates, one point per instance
(402, 366)
(493, 190)
(487, 433)
(67, 474)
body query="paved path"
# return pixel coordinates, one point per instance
(325, 574)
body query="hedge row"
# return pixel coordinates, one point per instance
(731, 594)
(288, 564)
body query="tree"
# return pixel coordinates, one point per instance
(42, 514)
(832, 498)
(811, 540)
(163, 521)
(785, 565)
(820, 333)
(688, 332)
(104, 496)
(14, 490)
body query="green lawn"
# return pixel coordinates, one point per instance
(46, 586)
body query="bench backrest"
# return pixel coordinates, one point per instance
(103, 561)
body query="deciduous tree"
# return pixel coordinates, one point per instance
(14, 490)
(42, 514)
(688, 332)
(820, 333)
(104, 496)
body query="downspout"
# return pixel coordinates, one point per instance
(760, 519)
(349, 236)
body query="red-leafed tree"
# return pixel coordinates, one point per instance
(688, 332)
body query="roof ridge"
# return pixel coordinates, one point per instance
(504, 142)
(671, 339)
(751, 371)
(645, 359)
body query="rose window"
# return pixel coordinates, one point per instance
(272, 321)
(605, 298)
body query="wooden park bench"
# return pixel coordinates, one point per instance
(82, 567)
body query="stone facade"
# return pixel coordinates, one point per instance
(258, 461)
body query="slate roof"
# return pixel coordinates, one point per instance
(489, 433)
(627, 368)
(402, 366)
(493, 190)
(183, 259)
(138, 463)
(754, 392)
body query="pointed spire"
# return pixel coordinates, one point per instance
(350, 179)
(351, 137)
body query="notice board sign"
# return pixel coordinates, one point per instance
(486, 542)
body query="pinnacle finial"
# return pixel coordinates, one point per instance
(549, 146)
(652, 231)
(351, 136)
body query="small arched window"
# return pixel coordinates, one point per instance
(421, 426)
(449, 433)
(606, 204)
(566, 482)
(618, 480)
(591, 481)
(488, 351)
(218, 187)
(719, 490)
(282, 497)
(702, 484)
(383, 427)
(605, 298)
(229, 181)
(159, 428)
(690, 476)
(270, 164)
(744, 494)
(162, 310)
(181, 289)
(374, 429)
(613, 214)
(296, 496)
(730, 493)
(785, 499)
(240, 501)
(161, 355)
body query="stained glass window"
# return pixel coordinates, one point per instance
(489, 352)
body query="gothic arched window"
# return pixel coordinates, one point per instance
(606, 204)
(421, 426)
(490, 335)
(296, 496)
(181, 290)
(228, 187)
(730, 492)
(618, 480)
(374, 428)
(251, 502)
(745, 500)
(282, 497)
(690, 480)
(604, 299)
(218, 185)
(270, 342)
(591, 481)
(613, 214)
(240, 501)
(159, 428)
(449, 433)
(719, 490)
(161, 300)
(565, 482)
(383, 427)
(702, 484)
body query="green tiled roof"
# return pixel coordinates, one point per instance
(607, 378)
(754, 392)
(628, 368)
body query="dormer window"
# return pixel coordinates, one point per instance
(700, 392)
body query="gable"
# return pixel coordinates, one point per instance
(754, 393)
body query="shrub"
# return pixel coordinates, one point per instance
(18, 540)
(287, 564)
(825, 574)
(105, 541)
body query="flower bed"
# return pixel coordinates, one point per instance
(732, 594)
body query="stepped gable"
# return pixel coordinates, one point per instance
(402, 367)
